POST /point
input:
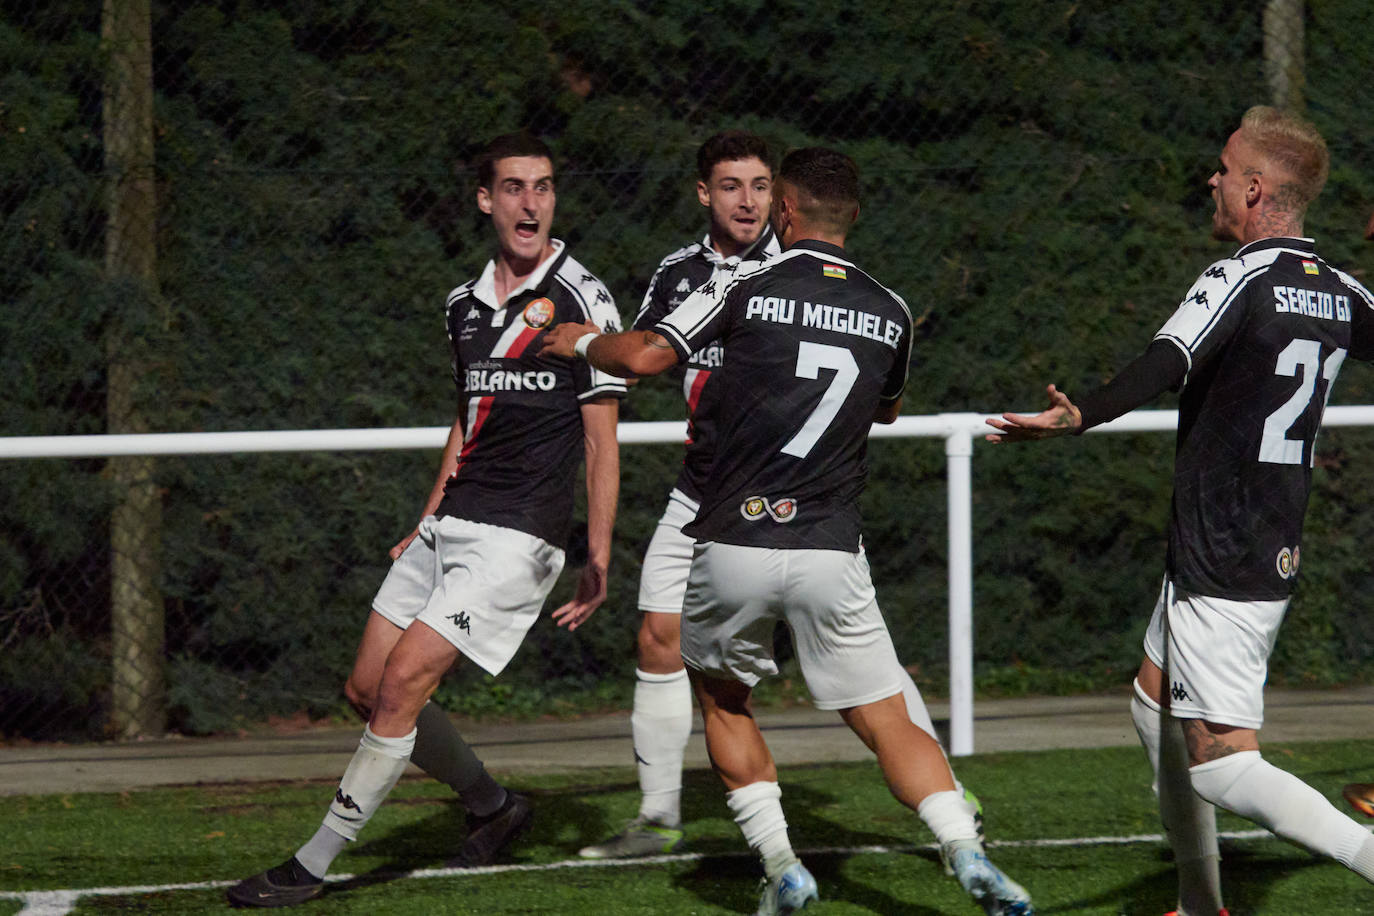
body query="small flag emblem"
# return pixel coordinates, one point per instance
(1310, 267)
(834, 271)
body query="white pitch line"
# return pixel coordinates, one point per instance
(62, 902)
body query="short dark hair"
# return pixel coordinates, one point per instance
(828, 182)
(729, 145)
(519, 143)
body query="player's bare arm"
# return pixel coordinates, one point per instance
(626, 354)
(448, 466)
(603, 486)
(1059, 419)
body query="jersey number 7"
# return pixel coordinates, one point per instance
(811, 359)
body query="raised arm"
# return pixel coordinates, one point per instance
(603, 486)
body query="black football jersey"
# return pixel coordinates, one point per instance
(815, 346)
(1265, 332)
(676, 277)
(522, 427)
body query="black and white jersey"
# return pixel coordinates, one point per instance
(1264, 333)
(522, 422)
(815, 346)
(676, 277)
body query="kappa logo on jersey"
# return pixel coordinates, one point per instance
(779, 510)
(462, 622)
(1287, 562)
(683, 286)
(1216, 272)
(472, 313)
(834, 271)
(538, 313)
(1200, 297)
(1178, 692)
(1310, 267)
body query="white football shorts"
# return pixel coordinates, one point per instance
(735, 595)
(1214, 653)
(479, 586)
(668, 560)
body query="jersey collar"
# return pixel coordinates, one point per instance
(764, 244)
(819, 247)
(484, 290)
(1307, 246)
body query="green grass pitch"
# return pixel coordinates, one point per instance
(1075, 827)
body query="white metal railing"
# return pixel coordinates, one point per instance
(959, 430)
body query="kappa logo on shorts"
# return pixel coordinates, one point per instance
(1287, 562)
(1179, 693)
(538, 313)
(462, 621)
(779, 510)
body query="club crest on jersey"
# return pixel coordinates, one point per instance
(1287, 562)
(779, 510)
(1310, 267)
(538, 313)
(834, 271)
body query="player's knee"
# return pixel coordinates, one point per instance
(659, 643)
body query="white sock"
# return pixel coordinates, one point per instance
(758, 811)
(948, 816)
(661, 723)
(1190, 822)
(1254, 788)
(321, 851)
(372, 773)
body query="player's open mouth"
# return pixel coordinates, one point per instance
(527, 228)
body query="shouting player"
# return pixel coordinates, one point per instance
(470, 580)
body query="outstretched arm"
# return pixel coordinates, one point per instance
(1161, 367)
(603, 486)
(627, 354)
(1059, 419)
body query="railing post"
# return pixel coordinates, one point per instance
(958, 464)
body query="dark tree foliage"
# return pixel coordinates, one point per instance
(1034, 181)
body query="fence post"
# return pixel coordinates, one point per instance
(1284, 67)
(137, 685)
(958, 465)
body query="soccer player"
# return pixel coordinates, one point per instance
(734, 184)
(1254, 347)
(470, 580)
(817, 352)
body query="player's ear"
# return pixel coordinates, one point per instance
(484, 200)
(703, 194)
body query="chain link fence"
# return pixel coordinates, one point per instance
(245, 215)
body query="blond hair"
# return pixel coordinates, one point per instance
(1295, 147)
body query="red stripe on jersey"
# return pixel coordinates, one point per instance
(514, 340)
(478, 410)
(693, 380)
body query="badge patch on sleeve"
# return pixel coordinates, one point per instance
(834, 271)
(1310, 267)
